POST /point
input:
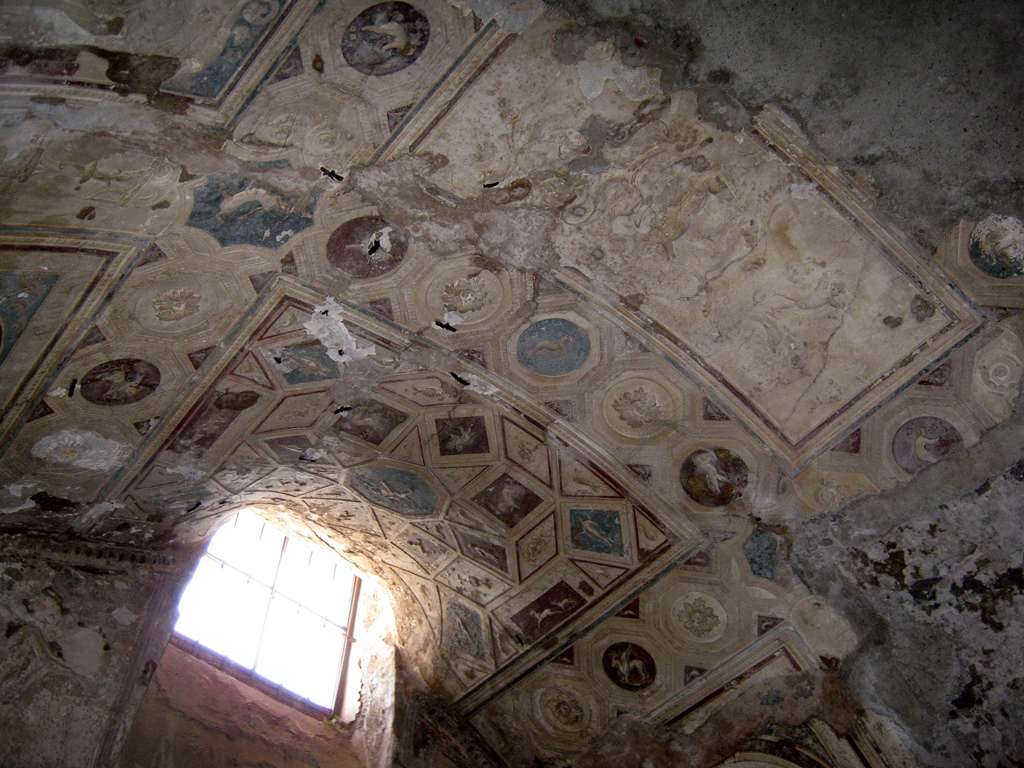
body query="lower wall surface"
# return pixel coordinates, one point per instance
(78, 643)
(197, 716)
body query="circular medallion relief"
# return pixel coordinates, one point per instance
(923, 441)
(553, 347)
(472, 293)
(119, 382)
(713, 477)
(177, 304)
(367, 247)
(638, 407)
(997, 246)
(629, 666)
(699, 617)
(562, 710)
(385, 38)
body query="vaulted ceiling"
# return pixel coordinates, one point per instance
(512, 325)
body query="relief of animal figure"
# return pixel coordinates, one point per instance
(708, 471)
(556, 609)
(484, 554)
(508, 500)
(299, 362)
(400, 42)
(264, 199)
(629, 670)
(372, 420)
(592, 529)
(559, 347)
(460, 439)
(385, 490)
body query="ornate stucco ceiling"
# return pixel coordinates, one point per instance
(528, 340)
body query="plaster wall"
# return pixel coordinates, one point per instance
(195, 715)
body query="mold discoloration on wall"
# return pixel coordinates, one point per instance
(932, 588)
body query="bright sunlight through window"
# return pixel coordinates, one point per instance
(275, 607)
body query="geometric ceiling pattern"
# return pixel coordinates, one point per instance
(554, 389)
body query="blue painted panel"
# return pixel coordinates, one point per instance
(596, 530)
(20, 298)
(553, 347)
(236, 209)
(396, 489)
(308, 362)
(465, 631)
(248, 29)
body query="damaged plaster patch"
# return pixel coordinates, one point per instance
(512, 15)
(93, 516)
(123, 616)
(802, 191)
(480, 386)
(511, 229)
(601, 65)
(328, 327)
(190, 467)
(80, 448)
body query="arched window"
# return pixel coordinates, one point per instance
(273, 611)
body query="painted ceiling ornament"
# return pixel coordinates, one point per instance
(698, 617)
(385, 38)
(829, 492)
(176, 305)
(1000, 369)
(713, 477)
(399, 490)
(563, 710)
(997, 246)
(120, 382)
(467, 294)
(535, 549)
(923, 441)
(367, 247)
(637, 407)
(596, 530)
(629, 666)
(553, 347)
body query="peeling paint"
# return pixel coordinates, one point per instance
(476, 384)
(327, 326)
(80, 448)
(802, 191)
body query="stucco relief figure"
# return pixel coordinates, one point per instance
(923, 441)
(553, 347)
(997, 246)
(120, 382)
(385, 38)
(462, 435)
(629, 666)
(548, 610)
(367, 247)
(508, 500)
(713, 477)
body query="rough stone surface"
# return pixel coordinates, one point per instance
(921, 102)
(930, 577)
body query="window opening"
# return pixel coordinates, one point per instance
(272, 611)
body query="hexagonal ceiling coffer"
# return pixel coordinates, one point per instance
(396, 488)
